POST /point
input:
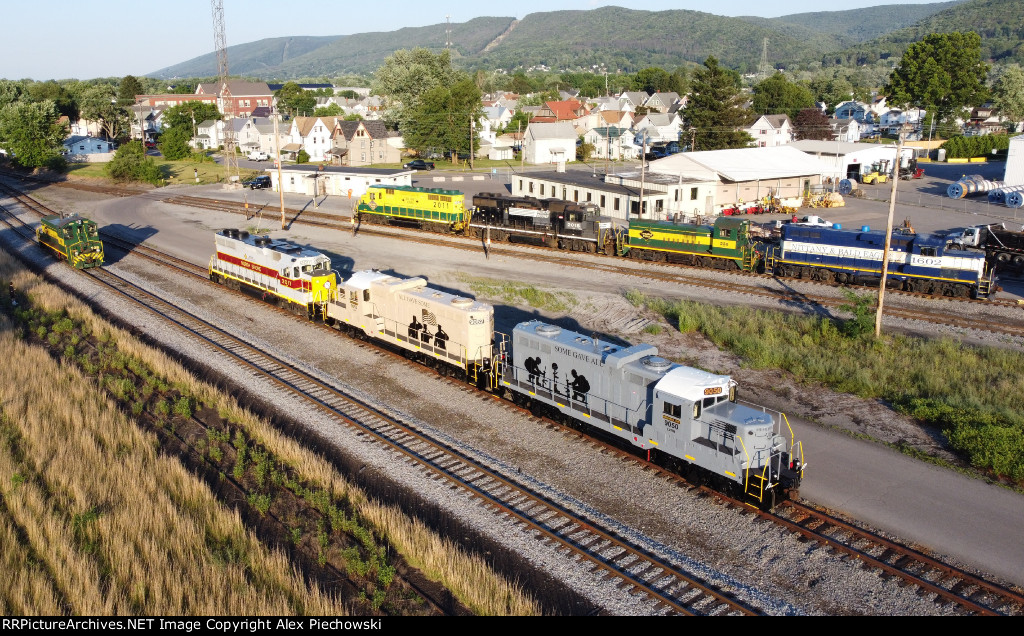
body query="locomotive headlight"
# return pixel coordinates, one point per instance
(327, 284)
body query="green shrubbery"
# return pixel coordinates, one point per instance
(975, 395)
(130, 163)
(961, 147)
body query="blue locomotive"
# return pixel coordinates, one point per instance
(917, 263)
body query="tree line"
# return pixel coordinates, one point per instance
(433, 104)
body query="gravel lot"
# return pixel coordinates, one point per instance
(755, 561)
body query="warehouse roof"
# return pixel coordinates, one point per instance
(745, 164)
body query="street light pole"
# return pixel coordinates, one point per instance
(277, 151)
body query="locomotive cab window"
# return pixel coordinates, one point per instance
(928, 251)
(673, 410)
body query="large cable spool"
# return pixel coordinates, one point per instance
(846, 186)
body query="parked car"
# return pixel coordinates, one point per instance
(150, 143)
(419, 164)
(258, 183)
(258, 155)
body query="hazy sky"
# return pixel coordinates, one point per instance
(85, 39)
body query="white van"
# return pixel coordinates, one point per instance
(258, 155)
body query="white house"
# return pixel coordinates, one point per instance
(661, 102)
(209, 134)
(657, 126)
(312, 134)
(847, 130)
(611, 143)
(549, 143)
(771, 130)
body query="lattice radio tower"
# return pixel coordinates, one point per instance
(220, 43)
(448, 32)
(763, 70)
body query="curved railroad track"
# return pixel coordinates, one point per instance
(609, 557)
(950, 585)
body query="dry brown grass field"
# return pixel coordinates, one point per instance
(108, 448)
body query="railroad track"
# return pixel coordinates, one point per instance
(758, 285)
(577, 538)
(949, 584)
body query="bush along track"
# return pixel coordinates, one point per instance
(317, 524)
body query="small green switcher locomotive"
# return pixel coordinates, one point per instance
(73, 238)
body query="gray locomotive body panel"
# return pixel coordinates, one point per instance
(632, 393)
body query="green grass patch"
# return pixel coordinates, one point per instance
(975, 395)
(174, 172)
(520, 294)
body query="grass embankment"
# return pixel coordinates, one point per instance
(99, 514)
(512, 293)
(181, 172)
(974, 395)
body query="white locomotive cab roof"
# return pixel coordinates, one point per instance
(365, 278)
(689, 383)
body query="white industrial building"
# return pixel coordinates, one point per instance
(686, 185)
(336, 180)
(1014, 174)
(850, 160)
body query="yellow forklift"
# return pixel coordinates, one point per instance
(878, 173)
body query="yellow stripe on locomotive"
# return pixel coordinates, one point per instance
(422, 206)
(74, 239)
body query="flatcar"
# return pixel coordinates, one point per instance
(727, 244)
(553, 223)
(74, 239)
(685, 418)
(917, 263)
(432, 209)
(452, 333)
(292, 276)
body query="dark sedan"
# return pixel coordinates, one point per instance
(419, 164)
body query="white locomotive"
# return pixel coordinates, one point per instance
(686, 416)
(430, 324)
(294, 276)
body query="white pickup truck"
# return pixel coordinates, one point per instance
(258, 155)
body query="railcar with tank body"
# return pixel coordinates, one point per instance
(74, 239)
(292, 276)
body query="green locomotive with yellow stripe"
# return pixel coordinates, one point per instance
(432, 209)
(74, 239)
(727, 244)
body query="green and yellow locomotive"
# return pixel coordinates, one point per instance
(426, 208)
(727, 244)
(74, 239)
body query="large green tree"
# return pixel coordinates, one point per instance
(174, 143)
(294, 101)
(716, 110)
(440, 119)
(943, 72)
(99, 103)
(406, 76)
(32, 133)
(1008, 94)
(776, 95)
(130, 87)
(188, 115)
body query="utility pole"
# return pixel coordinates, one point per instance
(522, 147)
(888, 240)
(472, 130)
(277, 153)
